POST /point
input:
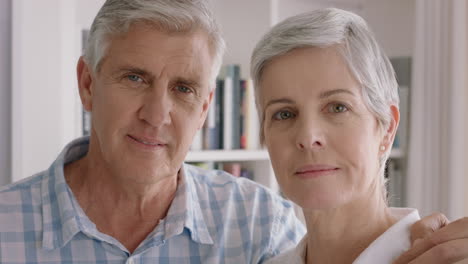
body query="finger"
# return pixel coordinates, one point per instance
(453, 231)
(427, 226)
(415, 251)
(449, 252)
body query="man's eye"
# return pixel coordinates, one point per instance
(337, 108)
(183, 89)
(134, 78)
(283, 115)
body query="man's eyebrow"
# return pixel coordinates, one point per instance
(132, 69)
(143, 72)
(332, 92)
(188, 82)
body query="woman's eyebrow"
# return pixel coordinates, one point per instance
(332, 92)
(321, 96)
(280, 100)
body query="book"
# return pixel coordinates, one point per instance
(246, 173)
(233, 168)
(233, 71)
(232, 121)
(211, 133)
(252, 122)
(243, 115)
(219, 113)
(228, 121)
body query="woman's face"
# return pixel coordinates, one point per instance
(323, 142)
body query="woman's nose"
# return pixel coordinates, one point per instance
(310, 136)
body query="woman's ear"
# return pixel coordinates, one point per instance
(85, 82)
(390, 133)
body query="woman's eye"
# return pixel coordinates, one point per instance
(283, 115)
(183, 89)
(337, 108)
(134, 78)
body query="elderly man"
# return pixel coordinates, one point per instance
(123, 195)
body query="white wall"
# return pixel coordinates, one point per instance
(242, 22)
(391, 20)
(5, 91)
(86, 10)
(466, 124)
(393, 24)
(45, 52)
(289, 8)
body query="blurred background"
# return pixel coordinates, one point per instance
(427, 41)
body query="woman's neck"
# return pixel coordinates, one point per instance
(347, 230)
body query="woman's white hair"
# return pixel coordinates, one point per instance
(116, 16)
(355, 42)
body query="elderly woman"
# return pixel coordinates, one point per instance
(328, 101)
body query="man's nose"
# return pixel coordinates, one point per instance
(157, 107)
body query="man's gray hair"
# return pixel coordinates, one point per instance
(116, 16)
(354, 41)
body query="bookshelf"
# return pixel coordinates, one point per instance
(256, 161)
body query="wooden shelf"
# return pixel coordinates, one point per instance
(227, 155)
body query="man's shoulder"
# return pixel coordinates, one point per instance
(218, 180)
(25, 184)
(246, 209)
(16, 193)
(28, 183)
(20, 199)
(223, 192)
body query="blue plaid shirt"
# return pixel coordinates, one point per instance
(214, 218)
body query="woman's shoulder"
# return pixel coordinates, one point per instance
(394, 241)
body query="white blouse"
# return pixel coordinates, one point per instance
(387, 247)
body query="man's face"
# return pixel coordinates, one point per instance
(148, 99)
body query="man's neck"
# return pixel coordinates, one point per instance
(125, 210)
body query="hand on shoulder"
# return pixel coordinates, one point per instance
(436, 240)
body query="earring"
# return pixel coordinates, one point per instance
(382, 148)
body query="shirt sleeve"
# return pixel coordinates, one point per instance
(287, 230)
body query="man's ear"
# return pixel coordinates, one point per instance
(85, 84)
(205, 109)
(392, 128)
